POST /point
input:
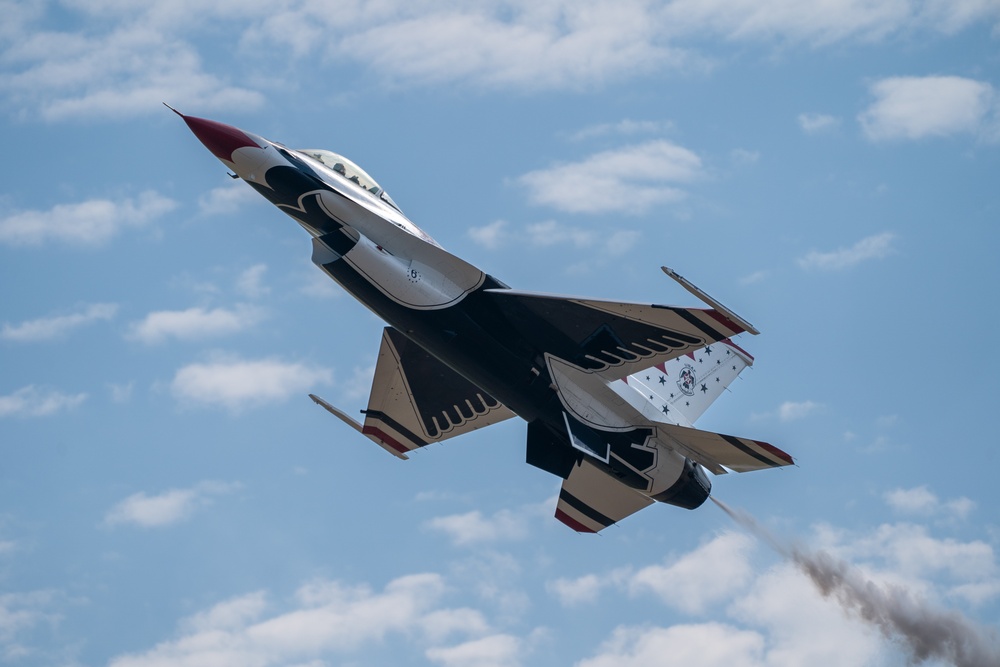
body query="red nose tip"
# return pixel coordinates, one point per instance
(219, 138)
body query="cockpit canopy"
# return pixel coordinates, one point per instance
(350, 171)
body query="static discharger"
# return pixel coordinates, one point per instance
(701, 294)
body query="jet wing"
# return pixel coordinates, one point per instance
(715, 450)
(416, 400)
(590, 500)
(611, 339)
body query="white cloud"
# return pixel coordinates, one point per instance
(238, 384)
(627, 180)
(167, 508)
(194, 324)
(710, 574)
(514, 44)
(475, 528)
(125, 72)
(910, 551)
(47, 328)
(930, 106)
(92, 222)
(33, 402)
(578, 591)
(550, 233)
(492, 235)
(625, 127)
(327, 619)
(815, 123)
(754, 278)
(787, 608)
(227, 199)
(250, 282)
(792, 410)
(152, 51)
(494, 651)
(121, 393)
(706, 645)
(922, 502)
(714, 572)
(871, 247)
(20, 614)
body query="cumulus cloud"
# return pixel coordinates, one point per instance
(194, 324)
(693, 583)
(625, 127)
(492, 235)
(476, 528)
(578, 591)
(20, 615)
(149, 52)
(707, 645)
(512, 44)
(325, 620)
(770, 614)
(126, 71)
(871, 247)
(792, 410)
(56, 326)
(227, 199)
(932, 106)
(166, 508)
(250, 282)
(237, 384)
(90, 223)
(922, 502)
(500, 650)
(31, 401)
(550, 233)
(628, 180)
(815, 123)
(700, 579)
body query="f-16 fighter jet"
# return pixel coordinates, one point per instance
(609, 389)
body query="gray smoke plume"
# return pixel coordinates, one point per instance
(923, 630)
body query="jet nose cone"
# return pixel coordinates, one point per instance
(219, 138)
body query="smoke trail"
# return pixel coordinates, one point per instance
(926, 632)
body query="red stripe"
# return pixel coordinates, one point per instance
(777, 453)
(662, 368)
(730, 343)
(572, 523)
(385, 437)
(723, 320)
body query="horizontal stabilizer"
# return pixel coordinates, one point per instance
(713, 450)
(591, 500)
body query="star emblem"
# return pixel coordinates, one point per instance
(666, 410)
(663, 380)
(708, 351)
(704, 389)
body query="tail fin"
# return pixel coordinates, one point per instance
(687, 385)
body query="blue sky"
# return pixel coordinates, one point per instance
(170, 496)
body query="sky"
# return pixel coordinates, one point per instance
(169, 495)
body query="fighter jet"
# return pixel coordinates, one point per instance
(609, 389)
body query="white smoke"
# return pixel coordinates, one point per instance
(924, 631)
